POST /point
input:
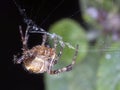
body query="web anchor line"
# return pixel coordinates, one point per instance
(34, 28)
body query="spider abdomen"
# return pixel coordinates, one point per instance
(37, 65)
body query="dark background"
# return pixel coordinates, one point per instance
(14, 77)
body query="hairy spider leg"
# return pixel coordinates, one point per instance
(53, 61)
(55, 42)
(68, 67)
(44, 39)
(18, 60)
(24, 38)
(59, 55)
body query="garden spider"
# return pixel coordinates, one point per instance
(41, 58)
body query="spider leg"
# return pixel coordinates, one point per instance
(44, 39)
(24, 38)
(58, 56)
(18, 60)
(55, 42)
(64, 69)
(54, 61)
(25, 56)
(68, 67)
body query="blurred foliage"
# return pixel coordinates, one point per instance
(98, 64)
(108, 5)
(109, 70)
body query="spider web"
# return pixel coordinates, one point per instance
(34, 28)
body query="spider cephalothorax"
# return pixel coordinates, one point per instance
(41, 58)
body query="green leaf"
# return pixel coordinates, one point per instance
(109, 70)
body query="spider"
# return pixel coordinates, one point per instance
(41, 58)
